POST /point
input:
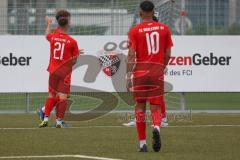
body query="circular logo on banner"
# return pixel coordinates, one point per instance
(109, 61)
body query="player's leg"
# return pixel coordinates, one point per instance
(49, 104)
(164, 122)
(41, 113)
(155, 97)
(156, 121)
(140, 113)
(50, 101)
(163, 107)
(61, 107)
(140, 97)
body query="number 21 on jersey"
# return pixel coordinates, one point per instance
(153, 42)
(58, 50)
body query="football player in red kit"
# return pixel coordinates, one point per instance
(63, 49)
(149, 53)
(164, 122)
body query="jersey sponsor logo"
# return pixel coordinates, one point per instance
(198, 59)
(12, 60)
(110, 62)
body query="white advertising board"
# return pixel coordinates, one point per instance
(198, 63)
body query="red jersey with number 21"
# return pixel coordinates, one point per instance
(150, 40)
(62, 48)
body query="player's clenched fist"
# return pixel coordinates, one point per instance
(48, 20)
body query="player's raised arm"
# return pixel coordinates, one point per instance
(49, 25)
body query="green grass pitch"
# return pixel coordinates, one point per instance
(200, 136)
(205, 136)
(200, 101)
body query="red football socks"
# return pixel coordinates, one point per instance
(49, 104)
(163, 109)
(61, 108)
(141, 124)
(156, 117)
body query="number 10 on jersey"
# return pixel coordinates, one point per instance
(153, 42)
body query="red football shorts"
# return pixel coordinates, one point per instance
(148, 88)
(58, 84)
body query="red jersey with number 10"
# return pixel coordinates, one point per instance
(150, 40)
(62, 48)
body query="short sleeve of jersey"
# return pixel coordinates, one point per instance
(75, 49)
(132, 39)
(169, 42)
(49, 37)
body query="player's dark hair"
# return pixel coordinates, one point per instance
(155, 18)
(62, 17)
(147, 6)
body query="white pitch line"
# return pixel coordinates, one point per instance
(205, 125)
(82, 127)
(58, 156)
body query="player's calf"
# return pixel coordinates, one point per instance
(41, 113)
(60, 110)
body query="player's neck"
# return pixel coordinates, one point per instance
(147, 19)
(64, 30)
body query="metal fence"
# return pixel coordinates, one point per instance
(115, 17)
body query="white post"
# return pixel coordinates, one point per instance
(182, 102)
(27, 101)
(182, 97)
(232, 11)
(182, 17)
